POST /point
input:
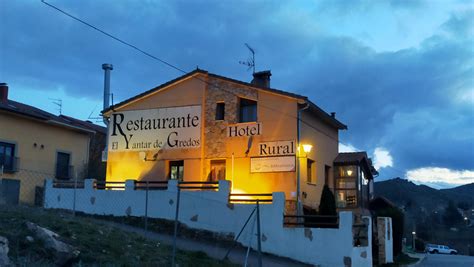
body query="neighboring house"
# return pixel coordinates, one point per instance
(35, 145)
(354, 181)
(206, 127)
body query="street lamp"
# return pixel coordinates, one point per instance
(307, 148)
(414, 236)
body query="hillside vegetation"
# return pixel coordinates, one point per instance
(99, 244)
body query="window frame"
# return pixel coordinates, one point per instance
(68, 175)
(248, 103)
(11, 168)
(341, 175)
(309, 171)
(180, 165)
(220, 111)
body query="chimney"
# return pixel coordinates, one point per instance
(262, 78)
(333, 114)
(107, 68)
(3, 93)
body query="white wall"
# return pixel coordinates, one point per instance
(210, 210)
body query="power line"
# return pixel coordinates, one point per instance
(179, 69)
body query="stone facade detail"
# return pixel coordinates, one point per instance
(215, 133)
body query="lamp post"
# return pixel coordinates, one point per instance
(306, 148)
(414, 236)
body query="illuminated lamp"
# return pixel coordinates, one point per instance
(349, 172)
(307, 148)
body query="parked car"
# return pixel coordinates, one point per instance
(435, 249)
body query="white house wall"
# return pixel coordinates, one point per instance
(210, 210)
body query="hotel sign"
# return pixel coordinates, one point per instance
(276, 148)
(247, 129)
(154, 129)
(273, 164)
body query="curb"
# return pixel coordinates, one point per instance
(420, 260)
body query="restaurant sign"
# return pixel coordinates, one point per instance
(273, 164)
(154, 129)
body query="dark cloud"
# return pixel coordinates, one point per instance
(407, 101)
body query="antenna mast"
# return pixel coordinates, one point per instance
(250, 61)
(58, 102)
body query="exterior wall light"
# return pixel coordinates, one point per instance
(307, 148)
(349, 172)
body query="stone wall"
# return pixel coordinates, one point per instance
(215, 133)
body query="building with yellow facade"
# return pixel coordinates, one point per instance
(36, 145)
(206, 127)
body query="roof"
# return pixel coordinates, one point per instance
(41, 115)
(350, 157)
(313, 108)
(357, 158)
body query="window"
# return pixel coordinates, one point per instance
(327, 169)
(248, 110)
(7, 157)
(220, 111)
(217, 170)
(62, 166)
(309, 171)
(346, 186)
(176, 170)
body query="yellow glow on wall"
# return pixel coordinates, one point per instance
(126, 165)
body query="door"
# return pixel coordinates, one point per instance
(9, 191)
(62, 166)
(217, 170)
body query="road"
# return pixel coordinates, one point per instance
(440, 260)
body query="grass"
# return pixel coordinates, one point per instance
(99, 244)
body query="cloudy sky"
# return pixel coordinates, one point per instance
(398, 73)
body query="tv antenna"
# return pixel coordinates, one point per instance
(251, 60)
(95, 119)
(58, 102)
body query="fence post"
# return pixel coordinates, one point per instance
(74, 200)
(146, 207)
(259, 241)
(178, 192)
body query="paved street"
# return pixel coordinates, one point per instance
(439, 260)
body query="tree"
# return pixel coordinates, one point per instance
(327, 205)
(451, 215)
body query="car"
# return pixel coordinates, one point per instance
(441, 249)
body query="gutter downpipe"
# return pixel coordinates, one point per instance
(107, 68)
(299, 207)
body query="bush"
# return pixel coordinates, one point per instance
(327, 205)
(419, 244)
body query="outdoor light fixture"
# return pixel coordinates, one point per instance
(349, 172)
(142, 155)
(307, 148)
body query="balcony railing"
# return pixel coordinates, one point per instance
(64, 172)
(311, 221)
